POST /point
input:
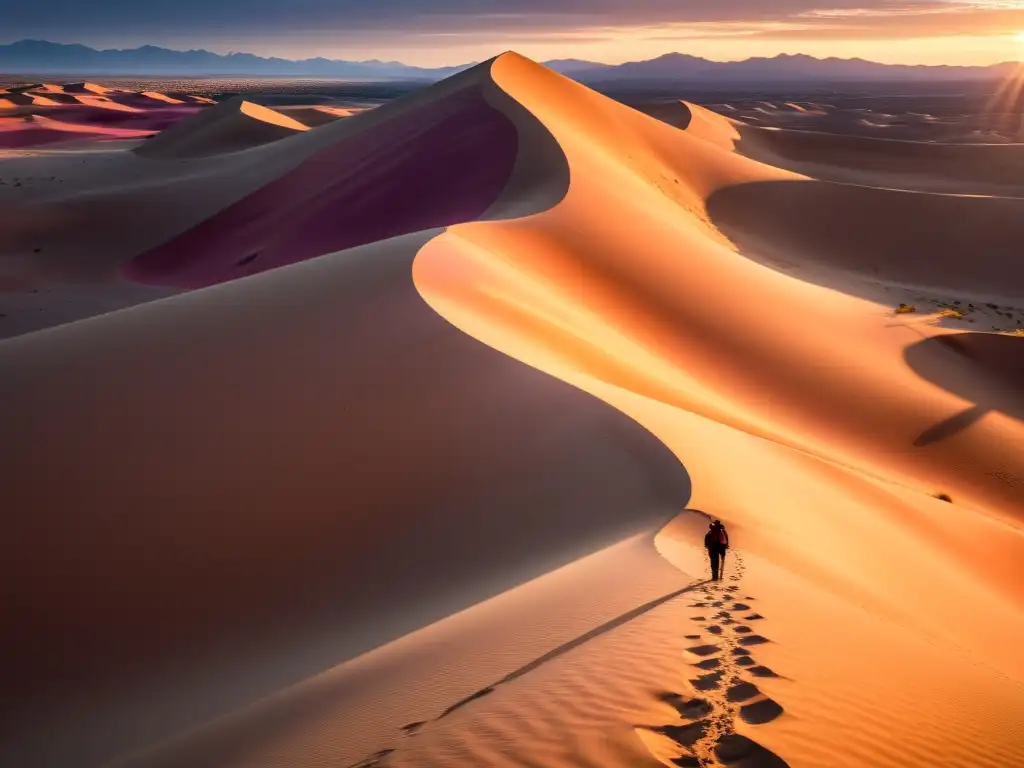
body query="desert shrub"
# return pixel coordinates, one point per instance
(953, 314)
(904, 309)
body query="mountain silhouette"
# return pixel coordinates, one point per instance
(37, 57)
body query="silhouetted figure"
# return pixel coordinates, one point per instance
(716, 542)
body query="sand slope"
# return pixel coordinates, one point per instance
(343, 479)
(228, 127)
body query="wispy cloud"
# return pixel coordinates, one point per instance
(337, 26)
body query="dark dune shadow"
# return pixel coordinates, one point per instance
(985, 368)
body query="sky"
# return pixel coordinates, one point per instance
(447, 32)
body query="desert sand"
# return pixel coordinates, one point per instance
(391, 440)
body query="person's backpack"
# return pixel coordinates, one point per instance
(723, 538)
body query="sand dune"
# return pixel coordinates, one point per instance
(228, 127)
(87, 88)
(36, 129)
(696, 121)
(984, 169)
(980, 169)
(387, 484)
(86, 111)
(313, 117)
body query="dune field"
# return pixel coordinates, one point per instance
(388, 438)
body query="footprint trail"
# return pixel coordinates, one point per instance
(724, 684)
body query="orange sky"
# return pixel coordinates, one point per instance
(629, 45)
(889, 31)
(439, 32)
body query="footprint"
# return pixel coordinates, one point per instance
(699, 605)
(760, 712)
(693, 709)
(708, 663)
(714, 629)
(742, 692)
(754, 617)
(686, 735)
(736, 750)
(411, 728)
(734, 589)
(703, 650)
(697, 618)
(753, 640)
(760, 671)
(741, 607)
(693, 637)
(741, 630)
(708, 682)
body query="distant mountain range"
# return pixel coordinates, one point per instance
(790, 68)
(39, 57)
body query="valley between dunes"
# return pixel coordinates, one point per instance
(400, 445)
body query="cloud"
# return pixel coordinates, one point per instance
(336, 23)
(405, 16)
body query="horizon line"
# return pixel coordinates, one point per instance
(782, 55)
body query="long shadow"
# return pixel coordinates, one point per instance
(618, 621)
(982, 367)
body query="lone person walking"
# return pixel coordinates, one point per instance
(716, 542)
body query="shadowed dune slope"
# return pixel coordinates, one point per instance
(696, 120)
(374, 185)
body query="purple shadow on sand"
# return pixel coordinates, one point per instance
(438, 165)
